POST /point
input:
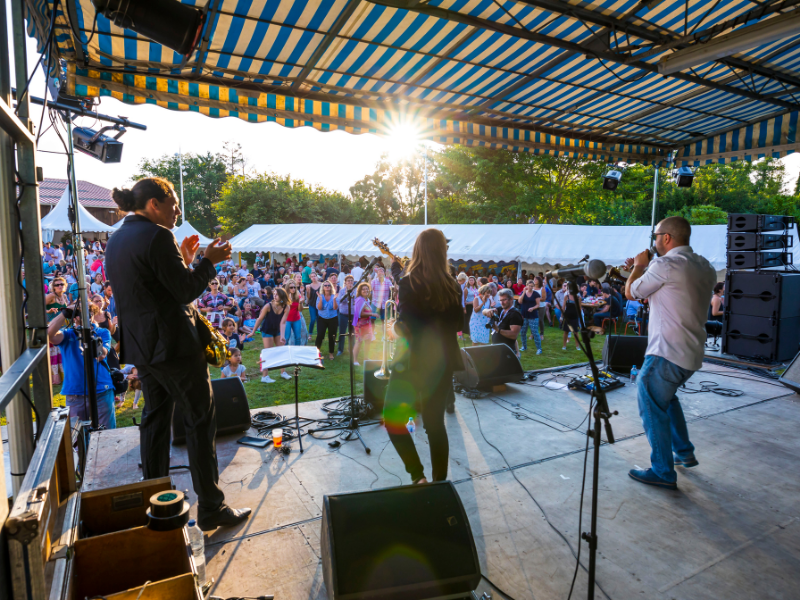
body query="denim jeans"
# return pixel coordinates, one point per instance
(293, 327)
(106, 412)
(662, 415)
(533, 325)
(344, 321)
(312, 312)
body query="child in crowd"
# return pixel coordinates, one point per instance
(134, 384)
(229, 331)
(235, 368)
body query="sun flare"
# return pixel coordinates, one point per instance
(404, 137)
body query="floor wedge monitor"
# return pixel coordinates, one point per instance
(233, 412)
(411, 542)
(621, 352)
(490, 365)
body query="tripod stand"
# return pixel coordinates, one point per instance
(601, 415)
(351, 421)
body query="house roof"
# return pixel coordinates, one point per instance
(89, 194)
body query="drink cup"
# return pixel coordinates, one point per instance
(277, 437)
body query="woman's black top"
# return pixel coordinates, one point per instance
(312, 296)
(271, 325)
(527, 302)
(432, 335)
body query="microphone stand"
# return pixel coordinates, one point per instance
(602, 416)
(351, 421)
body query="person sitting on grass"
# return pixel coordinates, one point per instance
(234, 368)
(229, 331)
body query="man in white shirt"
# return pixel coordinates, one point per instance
(242, 272)
(357, 272)
(678, 284)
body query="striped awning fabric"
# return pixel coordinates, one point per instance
(559, 77)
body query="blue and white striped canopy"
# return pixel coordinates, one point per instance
(559, 77)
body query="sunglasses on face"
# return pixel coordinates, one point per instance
(55, 285)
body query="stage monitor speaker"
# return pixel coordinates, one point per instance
(403, 543)
(791, 376)
(762, 294)
(233, 411)
(759, 260)
(490, 365)
(621, 352)
(758, 223)
(762, 338)
(758, 241)
(374, 388)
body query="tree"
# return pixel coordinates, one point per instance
(202, 183)
(234, 159)
(396, 190)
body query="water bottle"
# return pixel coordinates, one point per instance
(411, 426)
(198, 551)
(634, 373)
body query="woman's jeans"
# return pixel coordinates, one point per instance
(662, 415)
(344, 320)
(293, 327)
(312, 311)
(533, 325)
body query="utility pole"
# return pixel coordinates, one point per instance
(426, 185)
(179, 154)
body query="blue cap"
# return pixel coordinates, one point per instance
(192, 523)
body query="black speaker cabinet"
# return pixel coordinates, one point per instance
(791, 376)
(758, 223)
(621, 352)
(762, 294)
(233, 411)
(762, 338)
(758, 260)
(404, 543)
(490, 365)
(374, 388)
(758, 241)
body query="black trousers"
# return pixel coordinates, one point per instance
(432, 398)
(467, 316)
(331, 326)
(185, 381)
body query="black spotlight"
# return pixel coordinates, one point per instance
(684, 177)
(97, 145)
(612, 179)
(168, 22)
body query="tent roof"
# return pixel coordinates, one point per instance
(547, 76)
(185, 229)
(58, 218)
(531, 244)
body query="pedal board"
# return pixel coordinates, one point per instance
(585, 383)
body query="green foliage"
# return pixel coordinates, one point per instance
(396, 190)
(268, 198)
(205, 176)
(702, 214)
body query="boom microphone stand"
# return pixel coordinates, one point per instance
(602, 416)
(351, 421)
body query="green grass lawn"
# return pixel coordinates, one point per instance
(334, 381)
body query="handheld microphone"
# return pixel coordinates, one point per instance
(594, 269)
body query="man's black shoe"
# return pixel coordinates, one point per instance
(225, 517)
(451, 408)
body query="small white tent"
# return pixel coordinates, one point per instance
(58, 220)
(185, 230)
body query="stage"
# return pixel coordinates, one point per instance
(730, 531)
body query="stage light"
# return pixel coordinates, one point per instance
(95, 144)
(612, 179)
(778, 28)
(684, 177)
(167, 22)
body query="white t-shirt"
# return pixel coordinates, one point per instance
(242, 272)
(679, 286)
(226, 371)
(357, 272)
(253, 289)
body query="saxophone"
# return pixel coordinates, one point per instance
(216, 349)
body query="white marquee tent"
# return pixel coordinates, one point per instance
(185, 229)
(538, 245)
(58, 220)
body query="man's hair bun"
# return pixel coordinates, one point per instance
(124, 199)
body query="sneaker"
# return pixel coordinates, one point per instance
(539, 351)
(267, 379)
(285, 375)
(563, 347)
(339, 353)
(355, 364)
(647, 477)
(522, 349)
(686, 463)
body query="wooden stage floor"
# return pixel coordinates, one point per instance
(731, 531)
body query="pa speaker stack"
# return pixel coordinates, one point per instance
(762, 311)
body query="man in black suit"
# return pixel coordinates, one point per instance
(154, 289)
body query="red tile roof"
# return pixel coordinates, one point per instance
(89, 194)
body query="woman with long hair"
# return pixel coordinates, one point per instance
(470, 291)
(312, 292)
(362, 321)
(293, 327)
(427, 354)
(270, 321)
(478, 332)
(54, 302)
(327, 316)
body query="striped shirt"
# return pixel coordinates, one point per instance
(381, 292)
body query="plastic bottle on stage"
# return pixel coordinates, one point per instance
(198, 551)
(411, 426)
(634, 374)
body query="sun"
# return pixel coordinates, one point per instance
(403, 139)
